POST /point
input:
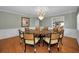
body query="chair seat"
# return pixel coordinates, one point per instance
(32, 41)
(52, 41)
(46, 39)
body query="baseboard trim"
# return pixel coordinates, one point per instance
(70, 37)
(9, 38)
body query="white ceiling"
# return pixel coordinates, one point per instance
(30, 11)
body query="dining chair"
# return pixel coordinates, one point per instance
(30, 39)
(45, 30)
(27, 29)
(21, 36)
(55, 30)
(53, 39)
(37, 31)
(61, 33)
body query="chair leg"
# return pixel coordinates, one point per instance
(35, 50)
(25, 48)
(49, 50)
(49, 47)
(58, 47)
(61, 41)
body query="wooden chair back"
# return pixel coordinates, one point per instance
(37, 30)
(54, 36)
(28, 36)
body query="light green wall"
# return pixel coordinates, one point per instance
(10, 20)
(32, 22)
(78, 25)
(78, 19)
(70, 21)
(46, 22)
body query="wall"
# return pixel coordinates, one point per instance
(78, 26)
(46, 22)
(10, 23)
(34, 22)
(70, 22)
(8, 20)
(78, 36)
(70, 26)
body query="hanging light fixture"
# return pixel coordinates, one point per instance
(41, 12)
(41, 17)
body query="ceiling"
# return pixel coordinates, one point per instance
(30, 11)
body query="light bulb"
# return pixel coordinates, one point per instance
(41, 17)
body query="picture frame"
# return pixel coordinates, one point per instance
(25, 22)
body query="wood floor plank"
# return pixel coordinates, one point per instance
(12, 45)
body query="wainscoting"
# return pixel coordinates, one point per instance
(6, 33)
(70, 33)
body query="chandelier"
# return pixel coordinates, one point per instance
(41, 12)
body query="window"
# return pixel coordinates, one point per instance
(58, 20)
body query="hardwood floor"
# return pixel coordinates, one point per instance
(12, 45)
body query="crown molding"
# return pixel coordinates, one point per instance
(2, 10)
(55, 14)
